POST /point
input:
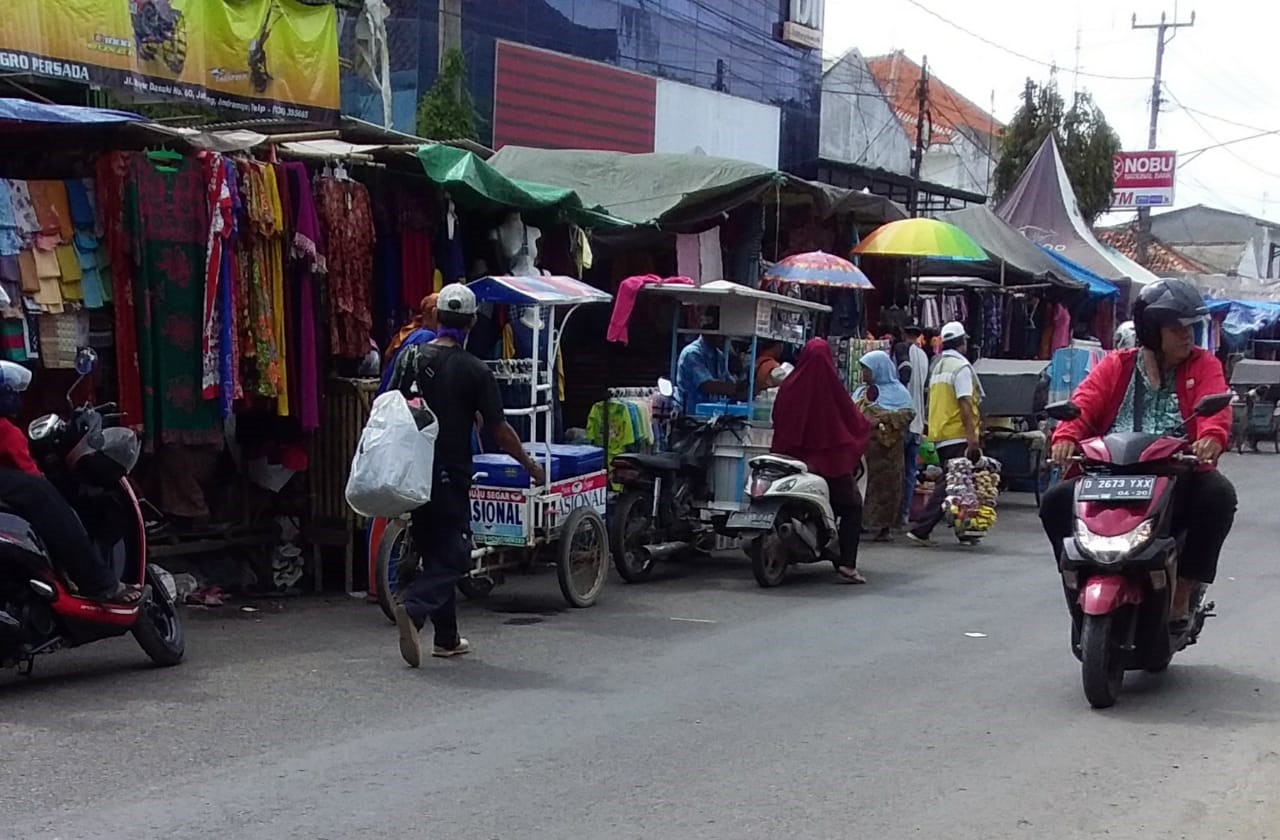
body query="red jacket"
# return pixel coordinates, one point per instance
(1101, 395)
(14, 452)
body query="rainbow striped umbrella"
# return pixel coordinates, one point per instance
(817, 268)
(925, 238)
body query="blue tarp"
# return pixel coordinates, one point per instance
(1098, 287)
(1245, 318)
(23, 110)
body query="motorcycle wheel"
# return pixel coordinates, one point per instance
(158, 630)
(769, 562)
(1101, 668)
(628, 531)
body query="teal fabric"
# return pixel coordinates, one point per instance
(1161, 413)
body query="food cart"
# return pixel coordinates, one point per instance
(735, 312)
(1012, 433)
(516, 525)
(1253, 413)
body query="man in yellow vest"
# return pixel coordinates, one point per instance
(954, 396)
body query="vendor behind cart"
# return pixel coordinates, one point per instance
(456, 386)
(702, 374)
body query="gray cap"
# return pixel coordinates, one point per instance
(458, 299)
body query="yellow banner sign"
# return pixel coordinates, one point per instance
(261, 58)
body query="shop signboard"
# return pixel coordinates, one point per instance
(1143, 179)
(499, 516)
(803, 26)
(261, 58)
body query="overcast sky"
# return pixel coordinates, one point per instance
(1225, 66)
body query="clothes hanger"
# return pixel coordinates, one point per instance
(163, 159)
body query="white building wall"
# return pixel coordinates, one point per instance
(692, 119)
(858, 126)
(961, 164)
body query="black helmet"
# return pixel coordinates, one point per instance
(1164, 303)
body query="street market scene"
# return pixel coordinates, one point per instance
(608, 419)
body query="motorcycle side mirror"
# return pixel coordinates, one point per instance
(86, 361)
(1063, 411)
(1212, 404)
(665, 388)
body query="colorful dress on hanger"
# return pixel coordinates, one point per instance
(348, 230)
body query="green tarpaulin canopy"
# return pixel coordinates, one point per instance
(675, 191)
(477, 186)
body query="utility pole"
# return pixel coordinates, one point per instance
(1164, 34)
(917, 155)
(450, 30)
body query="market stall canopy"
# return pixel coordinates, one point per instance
(1042, 205)
(1096, 286)
(925, 238)
(1255, 372)
(476, 185)
(1246, 319)
(26, 111)
(674, 191)
(709, 293)
(1013, 258)
(1009, 385)
(545, 290)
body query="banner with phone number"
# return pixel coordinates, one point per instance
(259, 58)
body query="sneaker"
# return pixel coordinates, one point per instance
(462, 648)
(410, 643)
(923, 542)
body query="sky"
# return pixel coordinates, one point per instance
(1221, 75)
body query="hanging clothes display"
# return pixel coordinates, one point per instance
(308, 262)
(347, 222)
(168, 215)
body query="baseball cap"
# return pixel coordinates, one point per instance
(953, 330)
(458, 299)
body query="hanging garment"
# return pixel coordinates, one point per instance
(69, 274)
(711, 258)
(347, 221)
(11, 240)
(308, 262)
(168, 214)
(53, 212)
(625, 301)
(218, 211)
(112, 177)
(689, 257)
(24, 212)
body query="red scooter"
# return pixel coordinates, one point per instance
(39, 611)
(1120, 567)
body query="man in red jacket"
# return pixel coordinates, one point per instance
(1154, 389)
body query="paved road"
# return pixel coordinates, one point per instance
(694, 707)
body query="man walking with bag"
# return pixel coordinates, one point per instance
(456, 387)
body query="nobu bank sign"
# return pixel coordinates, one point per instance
(803, 26)
(1143, 179)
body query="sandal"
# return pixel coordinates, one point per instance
(851, 576)
(123, 594)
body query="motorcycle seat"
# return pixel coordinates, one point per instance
(786, 466)
(661, 462)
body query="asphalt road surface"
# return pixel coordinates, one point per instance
(940, 701)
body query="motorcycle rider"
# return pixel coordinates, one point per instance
(1153, 389)
(25, 490)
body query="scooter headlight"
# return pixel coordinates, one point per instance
(1110, 549)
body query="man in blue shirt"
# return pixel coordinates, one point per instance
(702, 374)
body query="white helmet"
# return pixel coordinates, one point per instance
(1126, 337)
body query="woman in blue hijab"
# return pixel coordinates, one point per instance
(886, 402)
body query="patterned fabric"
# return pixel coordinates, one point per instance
(348, 229)
(699, 363)
(168, 215)
(112, 173)
(884, 465)
(10, 235)
(1160, 411)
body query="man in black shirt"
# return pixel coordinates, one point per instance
(457, 388)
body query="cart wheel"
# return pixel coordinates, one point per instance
(395, 569)
(583, 561)
(476, 588)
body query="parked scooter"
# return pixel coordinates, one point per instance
(1120, 568)
(658, 514)
(92, 452)
(789, 520)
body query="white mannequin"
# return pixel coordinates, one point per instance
(519, 244)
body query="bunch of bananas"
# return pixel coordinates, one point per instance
(984, 519)
(988, 487)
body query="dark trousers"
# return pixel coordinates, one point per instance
(910, 453)
(846, 504)
(441, 531)
(1206, 501)
(932, 514)
(36, 500)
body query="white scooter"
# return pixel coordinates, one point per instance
(789, 520)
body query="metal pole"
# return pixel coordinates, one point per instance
(1163, 37)
(917, 155)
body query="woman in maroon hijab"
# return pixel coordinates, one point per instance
(816, 421)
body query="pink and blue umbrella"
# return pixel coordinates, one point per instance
(817, 268)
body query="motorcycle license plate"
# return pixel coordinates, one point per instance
(751, 520)
(1117, 488)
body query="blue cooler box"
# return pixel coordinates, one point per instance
(722, 410)
(568, 459)
(501, 470)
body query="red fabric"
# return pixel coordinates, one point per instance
(111, 183)
(14, 451)
(1101, 395)
(625, 302)
(814, 418)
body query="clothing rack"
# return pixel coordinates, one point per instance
(629, 393)
(619, 394)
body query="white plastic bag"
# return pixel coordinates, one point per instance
(394, 461)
